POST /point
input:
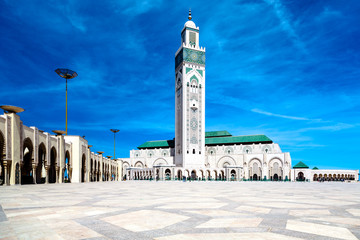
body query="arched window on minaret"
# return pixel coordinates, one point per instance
(194, 86)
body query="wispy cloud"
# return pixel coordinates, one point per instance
(333, 128)
(283, 116)
(284, 17)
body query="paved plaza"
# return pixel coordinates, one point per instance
(181, 210)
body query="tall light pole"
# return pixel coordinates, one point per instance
(67, 74)
(114, 131)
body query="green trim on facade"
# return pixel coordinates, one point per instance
(217, 134)
(200, 72)
(194, 77)
(237, 140)
(157, 144)
(188, 69)
(301, 165)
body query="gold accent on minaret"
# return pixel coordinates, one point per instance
(190, 14)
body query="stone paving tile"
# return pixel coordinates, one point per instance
(231, 223)
(144, 220)
(177, 210)
(320, 229)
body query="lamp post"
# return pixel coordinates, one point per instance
(67, 74)
(114, 131)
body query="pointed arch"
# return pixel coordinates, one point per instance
(160, 161)
(27, 161)
(225, 161)
(53, 163)
(40, 170)
(139, 164)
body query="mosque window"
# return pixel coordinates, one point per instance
(192, 38)
(247, 150)
(193, 151)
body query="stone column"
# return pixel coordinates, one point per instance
(57, 173)
(6, 176)
(46, 174)
(34, 172)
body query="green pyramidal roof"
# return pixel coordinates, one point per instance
(315, 168)
(157, 144)
(301, 165)
(217, 134)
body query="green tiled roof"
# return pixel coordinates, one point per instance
(301, 165)
(157, 144)
(217, 134)
(212, 138)
(315, 168)
(237, 139)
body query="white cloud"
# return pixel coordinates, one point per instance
(284, 17)
(282, 116)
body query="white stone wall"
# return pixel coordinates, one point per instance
(15, 134)
(268, 159)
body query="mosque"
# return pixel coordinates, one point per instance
(218, 155)
(31, 156)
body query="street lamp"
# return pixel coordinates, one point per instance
(67, 74)
(114, 131)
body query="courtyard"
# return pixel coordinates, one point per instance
(181, 210)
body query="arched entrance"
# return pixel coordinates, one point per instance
(83, 160)
(40, 170)
(91, 171)
(233, 175)
(52, 169)
(315, 177)
(222, 175)
(255, 177)
(255, 171)
(193, 175)
(67, 172)
(276, 177)
(157, 174)
(167, 174)
(26, 169)
(179, 175)
(300, 177)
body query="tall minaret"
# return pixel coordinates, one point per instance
(190, 99)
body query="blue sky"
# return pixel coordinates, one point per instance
(287, 69)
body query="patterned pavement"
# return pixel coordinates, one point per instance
(178, 210)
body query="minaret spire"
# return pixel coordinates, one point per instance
(190, 14)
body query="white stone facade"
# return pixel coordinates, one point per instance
(31, 156)
(191, 156)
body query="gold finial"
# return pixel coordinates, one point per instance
(190, 14)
